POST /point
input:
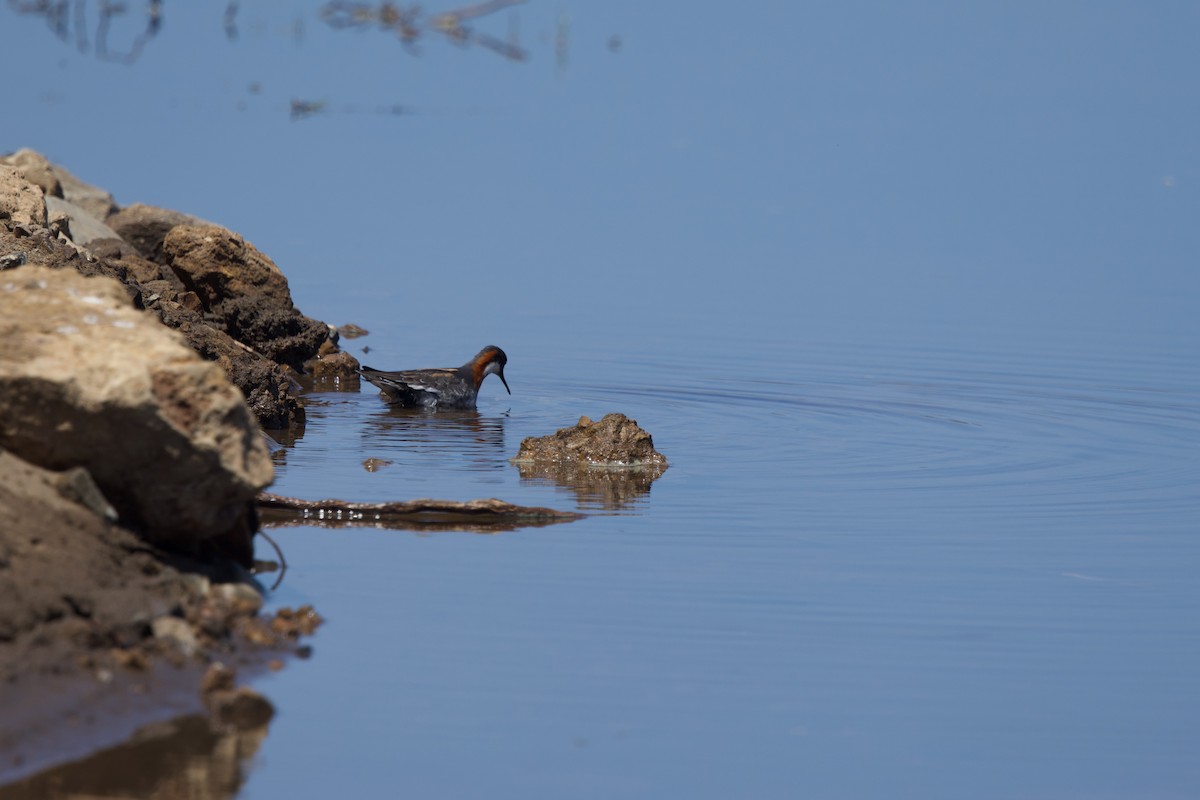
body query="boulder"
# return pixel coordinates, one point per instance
(55, 181)
(267, 387)
(230, 301)
(244, 289)
(86, 380)
(614, 441)
(217, 264)
(145, 227)
(35, 168)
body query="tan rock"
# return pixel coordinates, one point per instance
(145, 227)
(35, 168)
(87, 380)
(614, 441)
(217, 263)
(21, 201)
(55, 181)
(246, 292)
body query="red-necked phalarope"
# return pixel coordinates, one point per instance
(451, 387)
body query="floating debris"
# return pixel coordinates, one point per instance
(488, 515)
(376, 464)
(302, 109)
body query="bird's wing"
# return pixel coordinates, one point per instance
(401, 382)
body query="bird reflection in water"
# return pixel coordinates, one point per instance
(410, 436)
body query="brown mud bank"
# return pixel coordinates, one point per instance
(141, 352)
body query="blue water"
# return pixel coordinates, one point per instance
(869, 571)
(907, 295)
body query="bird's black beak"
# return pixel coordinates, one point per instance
(500, 375)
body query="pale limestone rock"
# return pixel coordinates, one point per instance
(55, 181)
(87, 380)
(37, 169)
(20, 200)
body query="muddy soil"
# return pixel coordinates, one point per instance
(101, 633)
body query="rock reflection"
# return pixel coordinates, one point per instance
(279, 440)
(189, 756)
(595, 488)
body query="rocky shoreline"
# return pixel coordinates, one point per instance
(144, 353)
(143, 350)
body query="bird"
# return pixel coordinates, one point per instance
(447, 387)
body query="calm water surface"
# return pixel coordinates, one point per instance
(905, 292)
(871, 570)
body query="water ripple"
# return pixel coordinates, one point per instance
(1044, 435)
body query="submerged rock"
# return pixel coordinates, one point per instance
(606, 464)
(614, 441)
(485, 515)
(88, 381)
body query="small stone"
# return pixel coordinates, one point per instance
(242, 598)
(242, 708)
(218, 678)
(12, 260)
(76, 485)
(335, 364)
(132, 659)
(177, 632)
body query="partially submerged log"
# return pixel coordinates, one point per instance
(487, 515)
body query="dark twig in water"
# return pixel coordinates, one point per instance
(282, 560)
